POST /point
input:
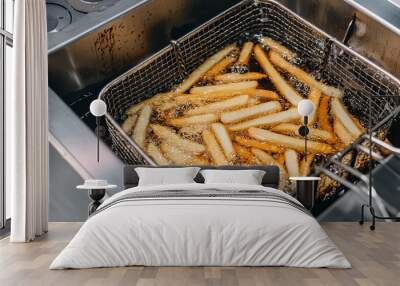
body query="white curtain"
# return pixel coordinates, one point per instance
(27, 124)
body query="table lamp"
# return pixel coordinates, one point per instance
(98, 108)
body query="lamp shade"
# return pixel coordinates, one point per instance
(98, 107)
(305, 107)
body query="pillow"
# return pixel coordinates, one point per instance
(166, 176)
(247, 177)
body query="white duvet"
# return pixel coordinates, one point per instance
(200, 231)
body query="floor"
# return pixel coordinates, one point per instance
(375, 257)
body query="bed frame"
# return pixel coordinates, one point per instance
(271, 178)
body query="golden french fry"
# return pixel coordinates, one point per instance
(262, 93)
(156, 154)
(203, 68)
(180, 157)
(243, 153)
(305, 164)
(289, 142)
(191, 120)
(257, 144)
(129, 123)
(224, 140)
(140, 130)
(284, 88)
(314, 134)
(171, 138)
(253, 101)
(267, 159)
(281, 159)
(323, 114)
(314, 96)
(277, 47)
(292, 163)
(193, 130)
(345, 118)
(227, 87)
(245, 54)
(264, 157)
(219, 106)
(238, 77)
(213, 148)
(245, 113)
(213, 96)
(341, 132)
(221, 66)
(132, 110)
(303, 76)
(289, 115)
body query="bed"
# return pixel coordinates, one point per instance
(201, 224)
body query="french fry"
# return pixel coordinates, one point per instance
(257, 144)
(292, 163)
(323, 114)
(219, 106)
(140, 130)
(264, 157)
(289, 142)
(132, 110)
(345, 118)
(129, 123)
(191, 120)
(314, 96)
(277, 47)
(238, 77)
(284, 88)
(213, 148)
(245, 113)
(303, 76)
(289, 115)
(203, 68)
(221, 66)
(193, 130)
(342, 133)
(243, 153)
(305, 164)
(314, 134)
(180, 157)
(281, 159)
(171, 138)
(267, 159)
(262, 93)
(156, 154)
(227, 87)
(224, 140)
(253, 101)
(213, 96)
(245, 54)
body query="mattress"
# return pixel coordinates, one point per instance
(201, 225)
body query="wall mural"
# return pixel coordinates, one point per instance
(239, 107)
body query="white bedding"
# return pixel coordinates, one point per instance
(200, 231)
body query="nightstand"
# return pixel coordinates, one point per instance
(306, 189)
(96, 190)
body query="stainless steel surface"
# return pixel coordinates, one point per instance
(88, 6)
(73, 139)
(60, 15)
(118, 45)
(356, 76)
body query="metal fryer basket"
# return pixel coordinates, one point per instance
(334, 62)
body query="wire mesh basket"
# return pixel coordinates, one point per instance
(332, 61)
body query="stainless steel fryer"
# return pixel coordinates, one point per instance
(329, 58)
